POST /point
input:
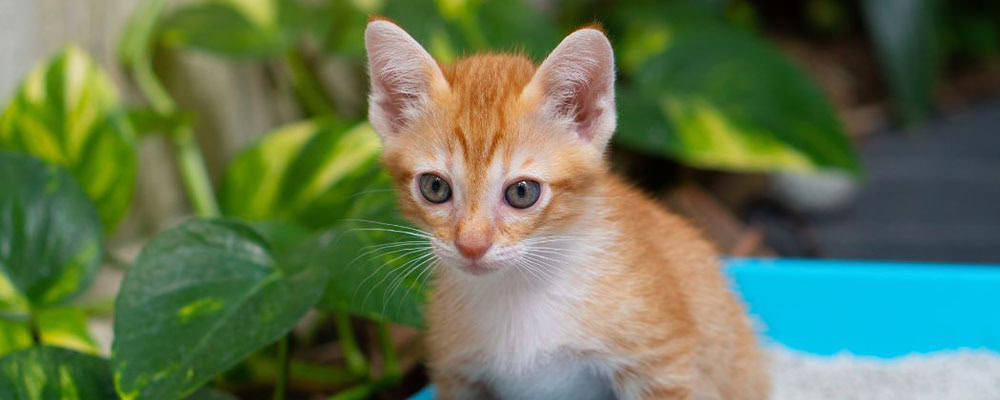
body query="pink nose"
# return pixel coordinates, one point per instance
(472, 249)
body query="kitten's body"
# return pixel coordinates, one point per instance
(591, 292)
(655, 303)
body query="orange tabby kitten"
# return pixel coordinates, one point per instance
(555, 279)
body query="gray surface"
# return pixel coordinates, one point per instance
(958, 375)
(933, 195)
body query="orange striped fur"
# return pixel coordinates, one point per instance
(594, 291)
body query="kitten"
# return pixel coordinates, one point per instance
(555, 279)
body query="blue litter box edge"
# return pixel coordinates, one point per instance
(871, 308)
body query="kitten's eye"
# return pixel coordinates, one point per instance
(523, 194)
(434, 188)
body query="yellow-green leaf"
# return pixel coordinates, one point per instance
(14, 335)
(59, 327)
(308, 172)
(66, 327)
(718, 97)
(67, 112)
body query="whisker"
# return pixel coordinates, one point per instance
(420, 235)
(397, 226)
(418, 281)
(375, 272)
(405, 245)
(388, 274)
(541, 268)
(402, 278)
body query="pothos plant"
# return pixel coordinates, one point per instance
(304, 219)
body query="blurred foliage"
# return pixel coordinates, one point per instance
(54, 373)
(308, 172)
(61, 326)
(715, 96)
(905, 37)
(66, 111)
(50, 237)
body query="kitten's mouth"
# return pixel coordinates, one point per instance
(476, 268)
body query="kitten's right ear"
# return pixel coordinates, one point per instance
(402, 77)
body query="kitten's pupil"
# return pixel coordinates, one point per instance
(436, 186)
(521, 189)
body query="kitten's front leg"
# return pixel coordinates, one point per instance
(642, 388)
(456, 387)
(656, 378)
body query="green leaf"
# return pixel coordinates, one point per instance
(308, 172)
(140, 32)
(209, 394)
(60, 327)
(905, 36)
(54, 373)
(146, 121)
(14, 335)
(67, 112)
(235, 28)
(717, 97)
(50, 237)
(66, 327)
(200, 298)
(323, 176)
(448, 28)
(377, 274)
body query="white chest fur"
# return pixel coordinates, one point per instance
(527, 342)
(557, 376)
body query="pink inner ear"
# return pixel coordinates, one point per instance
(401, 73)
(585, 110)
(581, 98)
(579, 81)
(393, 105)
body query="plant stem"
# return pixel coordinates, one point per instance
(307, 86)
(355, 360)
(265, 370)
(390, 364)
(189, 157)
(194, 174)
(364, 390)
(390, 370)
(150, 86)
(283, 362)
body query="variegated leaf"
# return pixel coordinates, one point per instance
(67, 112)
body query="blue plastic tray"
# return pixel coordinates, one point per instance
(879, 309)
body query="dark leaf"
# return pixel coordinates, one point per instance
(200, 298)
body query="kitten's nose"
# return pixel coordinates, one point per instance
(473, 248)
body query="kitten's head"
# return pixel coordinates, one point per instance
(497, 158)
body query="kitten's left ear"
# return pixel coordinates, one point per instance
(577, 85)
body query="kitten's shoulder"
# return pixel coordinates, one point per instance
(651, 229)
